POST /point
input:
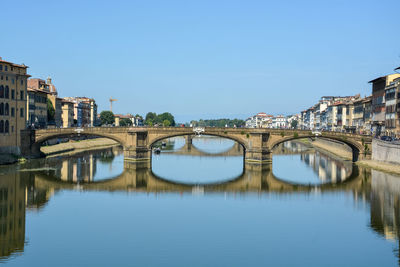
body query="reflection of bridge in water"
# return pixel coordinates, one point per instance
(139, 177)
(34, 189)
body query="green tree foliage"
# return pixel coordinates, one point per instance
(125, 122)
(106, 117)
(166, 123)
(293, 124)
(219, 123)
(152, 119)
(50, 111)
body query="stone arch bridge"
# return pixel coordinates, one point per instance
(137, 142)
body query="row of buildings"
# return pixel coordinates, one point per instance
(377, 114)
(263, 120)
(24, 104)
(68, 111)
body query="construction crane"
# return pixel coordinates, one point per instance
(111, 101)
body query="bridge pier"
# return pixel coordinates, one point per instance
(189, 141)
(137, 154)
(29, 148)
(258, 156)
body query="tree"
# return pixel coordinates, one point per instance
(166, 116)
(50, 111)
(125, 122)
(166, 123)
(106, 117)
(293, 124)
(150, 118)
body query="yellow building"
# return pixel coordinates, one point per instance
(13, 89)
(67, 114)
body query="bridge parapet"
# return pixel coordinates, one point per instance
(138, 141)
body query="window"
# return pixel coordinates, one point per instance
(1, 126)
(7, 127)
(22, 82)
(12, 112)
(1, 67)
(13, 81)
(1, 91)
(12, 94)
(1, 109)
(22, 95)
(6, 78)
(7, 92)
(6, 110)
(21, 112)
(5, 68)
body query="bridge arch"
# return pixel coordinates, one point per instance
(43, 139)
(355, 147)
(42, 136)
(233, 138)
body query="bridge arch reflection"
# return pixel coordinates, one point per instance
(140, 178)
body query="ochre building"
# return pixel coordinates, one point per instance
(13, 86)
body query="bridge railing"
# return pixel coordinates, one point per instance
(207, 129)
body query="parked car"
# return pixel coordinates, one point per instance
(386, 138)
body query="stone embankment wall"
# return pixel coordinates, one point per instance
(385, 151)
(336, 147)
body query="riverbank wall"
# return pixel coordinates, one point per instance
(385, 151)
(383, 154)
(335, 147)
(77, 146)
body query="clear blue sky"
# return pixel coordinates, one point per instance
(204, 58)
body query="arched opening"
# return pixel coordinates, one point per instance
(299, 161)
(7, 92)
(201, 160)
(7, 127)
(6, 109)
(73, 141)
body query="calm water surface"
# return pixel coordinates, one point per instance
(198, 205)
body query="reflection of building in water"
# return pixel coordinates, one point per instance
(328, 169)
(76, 169)
(385, 204)
(12, 214)
(83, 166)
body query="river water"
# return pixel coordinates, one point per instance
(198, 204)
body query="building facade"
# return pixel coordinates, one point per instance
(85, 111)
(13, 90)
(378, 102)
(392, 108)
(37, 112)
(67, 113)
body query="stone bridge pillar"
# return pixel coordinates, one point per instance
(29, 149)
(189, 140)
(257, 150)
(136, 147)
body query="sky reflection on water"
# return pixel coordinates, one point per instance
(256, 220)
